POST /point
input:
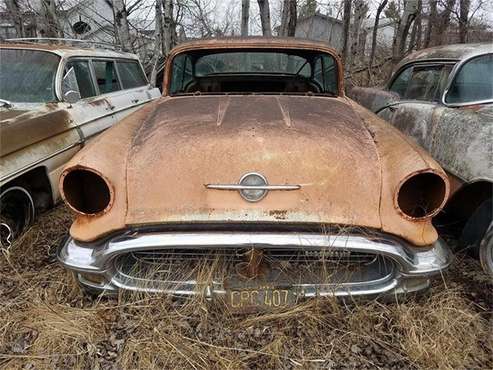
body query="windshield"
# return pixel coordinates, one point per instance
(27, 76)
(251, 71)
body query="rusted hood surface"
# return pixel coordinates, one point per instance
(22, 127)
(348, 162)
(319, 143)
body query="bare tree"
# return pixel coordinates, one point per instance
(49, 15)
(245, 17)
(16, 16)
(399, 44)
(168, 27)
(464, 6)
(444, 23)
(380, 9)
(415, 38)
(288, 18)
(346, 21)
(358, 37)
(158, 41)
(264, 9)
(120, 23)
(432, 22)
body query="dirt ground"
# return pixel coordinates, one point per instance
(47, 323)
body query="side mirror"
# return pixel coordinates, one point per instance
(70, 87)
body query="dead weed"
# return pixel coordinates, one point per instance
(46, 322)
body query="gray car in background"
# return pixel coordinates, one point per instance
(442, 98)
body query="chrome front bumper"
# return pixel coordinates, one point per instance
(411, 266)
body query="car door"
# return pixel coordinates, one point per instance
(417, 113)
(463, 141)
(91, 110)
(123, 83)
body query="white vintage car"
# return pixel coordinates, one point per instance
(53, 99)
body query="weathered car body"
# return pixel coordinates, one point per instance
(451, 116)
(45, 118)
(270, 188)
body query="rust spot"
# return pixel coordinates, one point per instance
(98, 102)
(278, 214)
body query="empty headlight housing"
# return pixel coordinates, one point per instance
(86, 191)
(422, 195)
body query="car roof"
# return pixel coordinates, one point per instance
(455, 52)
(253, 42)
(66, 51)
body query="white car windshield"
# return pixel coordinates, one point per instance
(27, 76)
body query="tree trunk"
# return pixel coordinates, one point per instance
(288, 19)
(399, 44)
(168, 27)
(264, 9)
(346, 21)
(432, 21)
(50, 19)
(16, 16)
(443, 24)
(463, 20)
(357, 45)
(419, 27)
(245, 17)
(158, 41)
(122, 30)
(413, 41)
(380, 9)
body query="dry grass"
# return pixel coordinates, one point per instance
(46, 322)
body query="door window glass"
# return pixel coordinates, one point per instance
(474, 81)
(83, 77)
(106, 76)
(131, 74)
(182, 74)
(399, 85)
(422, 82)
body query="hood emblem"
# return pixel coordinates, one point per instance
(253, 187)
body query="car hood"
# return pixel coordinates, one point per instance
(348, 163)
(318, 143)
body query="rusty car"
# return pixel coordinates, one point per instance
(255, 181)
(54, 98)
(442, 98)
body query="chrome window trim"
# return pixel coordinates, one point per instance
(452, 76)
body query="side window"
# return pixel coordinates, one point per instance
(400, 83)
(131, 74)
(182, 74)
(324, 74)
(474, 81)
(318, 72)
(83, 77)
(106, 76)
(330, 74)
(422, 82)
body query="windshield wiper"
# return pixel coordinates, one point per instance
(5, 103)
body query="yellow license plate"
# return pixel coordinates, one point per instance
(244, 299)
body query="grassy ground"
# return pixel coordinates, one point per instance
(46, 323)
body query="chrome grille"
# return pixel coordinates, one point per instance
(240, 255)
